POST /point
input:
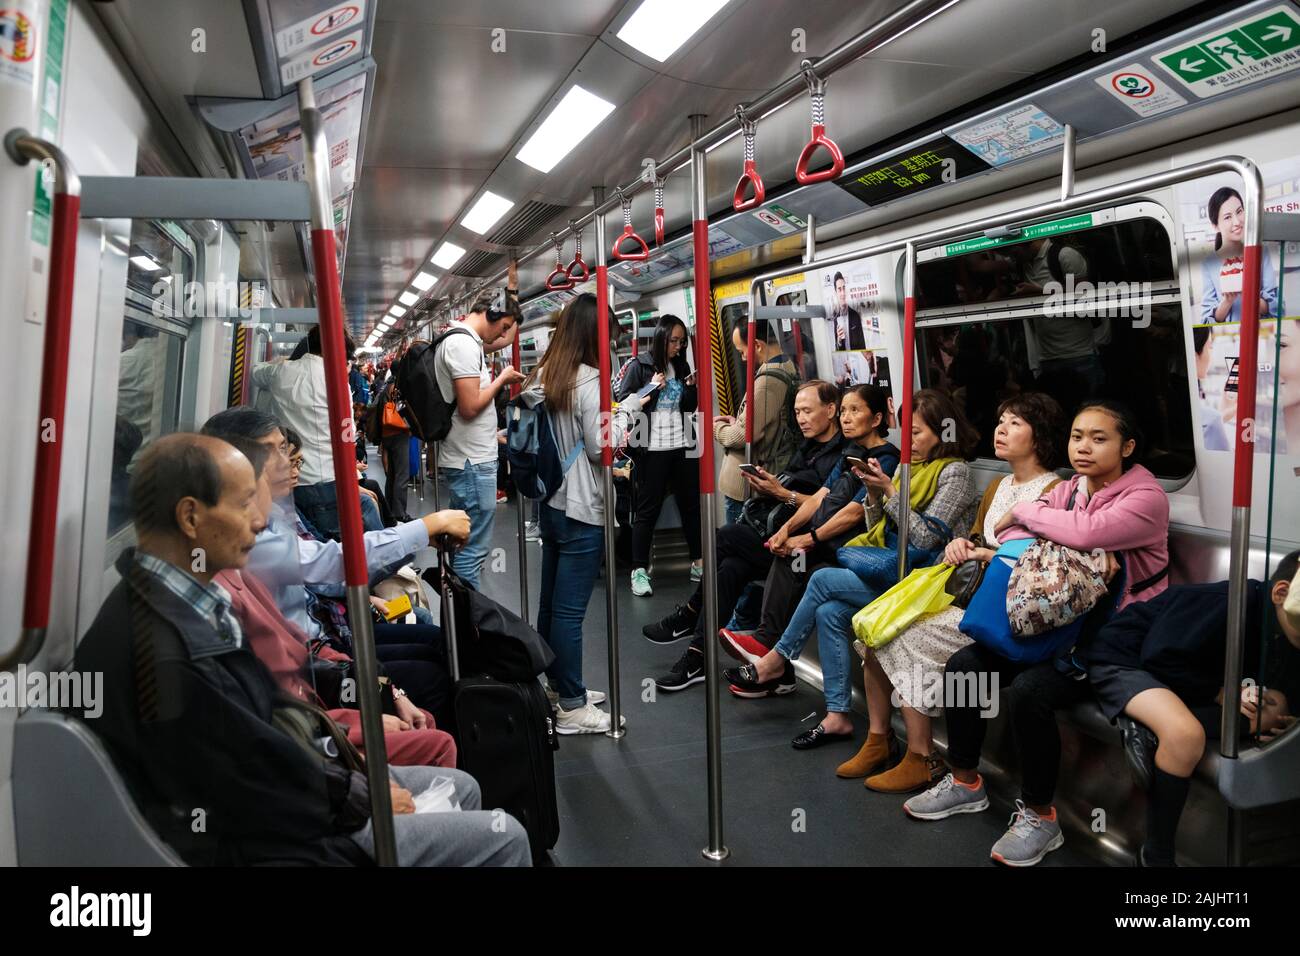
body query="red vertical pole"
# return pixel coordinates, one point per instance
(53, 399)
(703, 356)
(1247, 369)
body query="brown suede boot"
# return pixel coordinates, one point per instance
(874, 754)
(909, 775)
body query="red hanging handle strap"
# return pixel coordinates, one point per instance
(629, 233)
(559, 280)
(659, 213)
(577, 270)
(749, 177)
(817, 91)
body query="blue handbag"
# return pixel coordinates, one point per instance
(986, 622)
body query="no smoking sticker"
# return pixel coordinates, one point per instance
(321, 58)
(1137, 88)
(321, 26)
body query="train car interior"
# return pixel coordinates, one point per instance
(208, 204)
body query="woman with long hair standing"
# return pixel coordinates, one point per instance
(663, 459)
(572, 521)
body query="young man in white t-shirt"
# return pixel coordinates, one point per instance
(467, 457)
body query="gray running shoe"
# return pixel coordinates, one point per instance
(946, 798)
(1029, 840)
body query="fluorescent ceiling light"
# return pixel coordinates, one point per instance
(424, 281)
(659, 27)
(397, 311)
(408, 298)
(483, 215)
(576, 115)
(448, 255)
(145, 263)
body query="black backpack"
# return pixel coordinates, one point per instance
(426, 411)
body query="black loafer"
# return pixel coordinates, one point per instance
(817, 737)
(1139, 749)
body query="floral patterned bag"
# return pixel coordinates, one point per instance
(1052, 585)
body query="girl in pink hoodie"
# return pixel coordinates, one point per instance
(1111, 504)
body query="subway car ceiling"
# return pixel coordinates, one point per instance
(434, 100)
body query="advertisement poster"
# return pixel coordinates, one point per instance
(1213, 221)
(852, 298)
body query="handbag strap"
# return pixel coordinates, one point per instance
(1149, 582)
(938, 527)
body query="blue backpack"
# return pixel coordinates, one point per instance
(534, 457)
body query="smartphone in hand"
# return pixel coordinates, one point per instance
(754, 470)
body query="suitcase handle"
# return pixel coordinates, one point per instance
(446, 611)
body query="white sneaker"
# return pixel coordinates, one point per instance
(593, 697)
(641, 583)
(588, 719)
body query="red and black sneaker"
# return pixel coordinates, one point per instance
(743, 647)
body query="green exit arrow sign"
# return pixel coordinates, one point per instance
(1238, 54)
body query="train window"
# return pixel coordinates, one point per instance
(156, 320)
(1110, 259)
(1141, 363)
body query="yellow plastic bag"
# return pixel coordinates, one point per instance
(920, 593)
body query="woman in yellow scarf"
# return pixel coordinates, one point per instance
(942, 496)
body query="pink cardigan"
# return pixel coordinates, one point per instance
(1130, 515)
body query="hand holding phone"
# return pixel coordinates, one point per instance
(690, 379)
(754, 470)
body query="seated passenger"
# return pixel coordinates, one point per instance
(1029, 429)
(774, 444)
(1159, 665)
(1111, 504)
(194, 720)
(411, 735)
(942, 495)
(741, 555)
(294, 566)
(369, 489)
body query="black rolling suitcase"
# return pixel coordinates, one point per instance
(505, 727)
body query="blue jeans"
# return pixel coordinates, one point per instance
(572, 552)
(473, 490)
(733, 510)
(319, 506)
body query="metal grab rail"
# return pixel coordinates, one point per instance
(1243, 462)
(520, 500)
(603, 315)
(338, 397)
(23, 148)
(715, 850)
(870, 39)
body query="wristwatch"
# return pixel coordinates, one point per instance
(398, 692)
(813, 534)
(794, 500)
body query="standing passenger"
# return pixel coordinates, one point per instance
(467, 457)
(567, 380)
(664, 460)
(298, 395)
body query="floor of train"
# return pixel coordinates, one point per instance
(642, 800)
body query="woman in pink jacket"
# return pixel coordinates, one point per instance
(1111, 504)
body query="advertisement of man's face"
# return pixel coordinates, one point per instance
(841, 296)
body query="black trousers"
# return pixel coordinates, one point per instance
(741, 559)
(1034, 693)
(396, 471)
(654, 472)
(415, 658)
(782, 591)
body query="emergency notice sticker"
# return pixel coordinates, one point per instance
(1137, 88)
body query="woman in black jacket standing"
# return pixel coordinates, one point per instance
(662, 441)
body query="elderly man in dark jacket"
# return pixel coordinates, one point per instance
(194, 720)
